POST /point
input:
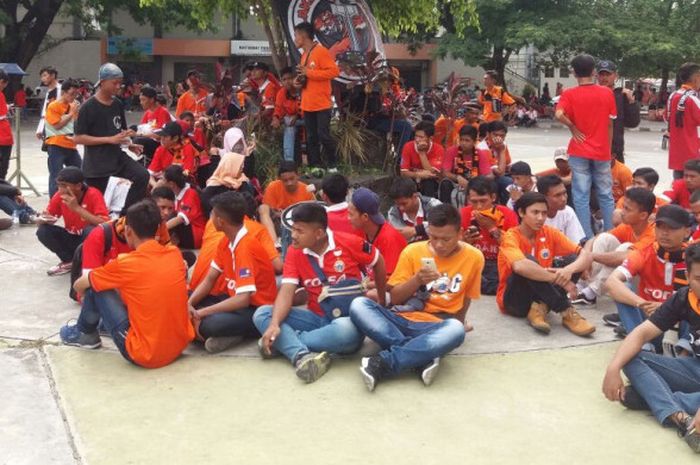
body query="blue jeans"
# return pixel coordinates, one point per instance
(60, 157)
(406, 344)
(631, 317)
(9, 206)
(586, 174)
(668, 385)
(290, 137)
(108, 306)
(303, 331)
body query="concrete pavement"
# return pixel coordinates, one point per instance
(508, 395)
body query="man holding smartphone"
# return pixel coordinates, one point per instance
(444, 270)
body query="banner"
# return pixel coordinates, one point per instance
(345, 27)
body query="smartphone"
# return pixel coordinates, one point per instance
(428, 262)
(473, 230)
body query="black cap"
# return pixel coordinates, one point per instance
(193, 72)
(172, 129)
(260, 65)
(148, 91)
(607, 66)
(71, 175)
(674, 216)
(520, 168)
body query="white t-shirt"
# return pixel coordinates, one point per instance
(567, 222)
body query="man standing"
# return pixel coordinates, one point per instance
(316, 72)
(588, 110)
(493, 97)
(49, 78)
(626, 104)
(195, 99)
(101, 128)
(683, 116)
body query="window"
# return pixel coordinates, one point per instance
(548, 72)
(564, 72)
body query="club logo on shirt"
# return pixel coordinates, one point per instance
(231, 284)
(444, 284)
(544, 254)
(339, 266)
(244, 273)
(117, 122)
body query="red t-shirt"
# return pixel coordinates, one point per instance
(156, 118)
(338, 220)
(390, 243)
(74, 223)
(683, 142)
(94, 246)
(345, 258)
(679, 194)
(189, 208)
(5, 126)
(590, 108)
(656, 276)
(505, 219)
(163, 158)
(410, 160)
(21, 98)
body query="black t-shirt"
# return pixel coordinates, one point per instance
(99, 120)
(680, 308)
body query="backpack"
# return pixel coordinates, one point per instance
(76, 269)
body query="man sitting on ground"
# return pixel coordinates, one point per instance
(12, 200)
(610, 249)
(422, 159)
(682, 189)
(695, 211)
(141, 297)
(462, 163)
(334, 192)
(561, 169)
(666, 386)
(174, 149)
(410, 209)
(280, 194)
(306, 337)
(529, 285)
(646, 178)
(223, 320)
(81, 207)
(450, 272)
(661, 270)
(523, 181)
(187, 225)
(560, 215)
(483, 225)
(621, 177)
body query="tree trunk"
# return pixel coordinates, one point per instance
(263, 15)
(663, 95)
(24, 37)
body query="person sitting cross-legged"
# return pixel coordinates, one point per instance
(224, 320)
(187, 224)
(646, 178)
(559, 214)
(417, 331)
(668, 387)
(317, 260)
(661, 269)
(81, 206)
(530, 286)
(410, 209)
(141, 297)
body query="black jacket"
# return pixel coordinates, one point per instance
(8, 190)
(627, 117)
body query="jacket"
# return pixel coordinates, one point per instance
(8, 190)
(397, 221)
(627, 117)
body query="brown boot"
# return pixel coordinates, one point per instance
(537, 317)
(575, 323)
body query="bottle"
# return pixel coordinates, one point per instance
(15, 218)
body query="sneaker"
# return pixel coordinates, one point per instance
(620, 332)
(72, 336)
(581, 299)
(575, 323)
(429, 373)
(312, 366)
(537, 317)
(372, 369)
(61, 268)
(214, 345)
(690, 435)
(274, 352)
(612, 319)
(632, 399)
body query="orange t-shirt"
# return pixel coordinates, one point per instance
(657, 277)
(622, 179)
(152, 283)
(548, 243)
(277, 197)
(54, 111)
(188, 102)
(498, 93)
(460, 278)
(246, 268)
(321, 70)
(441, 131)
(624, 233)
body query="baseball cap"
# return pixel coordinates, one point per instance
(606, 65)
(109, 71)
(259, 65)
(71, 175)
(674, 216)
(148, 91)
(367, 201)
(520, 168)
(193, 72)
(561, 154)
(172, 129)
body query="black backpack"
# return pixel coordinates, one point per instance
(76, 269)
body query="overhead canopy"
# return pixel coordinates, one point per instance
(12, 68)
